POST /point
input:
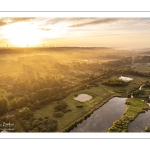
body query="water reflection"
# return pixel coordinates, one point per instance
(103, 118)
(140, 122)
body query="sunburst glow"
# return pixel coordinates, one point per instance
(22, 34)
(103, 32)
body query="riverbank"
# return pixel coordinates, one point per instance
(134, 108)
(74, 123)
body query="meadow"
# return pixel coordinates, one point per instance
(141, 67)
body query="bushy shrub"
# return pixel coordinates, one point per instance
(147, 84)
(147, 129)
(127, 103)
(67, 110)
(36, 125)
(61, 106)
(58, 115)
(79, 106)
(25, 113)
(3, 105)
(76, 94)
(46, 117)
(40, 118)
(114, 82)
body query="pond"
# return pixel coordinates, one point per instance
(83, 97)
(140, 122)
(103, 117)
(125, 78)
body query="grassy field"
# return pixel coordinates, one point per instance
(122, 90)
(141, 67)
(138, 80)
(134, 108)
(98, 94)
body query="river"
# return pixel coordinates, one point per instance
(103, 117)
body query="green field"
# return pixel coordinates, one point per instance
(98, 94)
(141, 67)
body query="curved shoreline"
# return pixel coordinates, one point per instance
(131, 112)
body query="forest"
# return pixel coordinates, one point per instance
(32, 79)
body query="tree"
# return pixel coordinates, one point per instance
(25, 113)
(43, 93)
(13, 104)
(2, 92)
(3, 105)
(47, 125)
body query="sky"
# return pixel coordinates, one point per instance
(87, 32)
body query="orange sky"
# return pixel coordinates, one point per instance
(110, 32)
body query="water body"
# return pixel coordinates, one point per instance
(125, 78)
(140, 122)
(103, 117)
(83, 97)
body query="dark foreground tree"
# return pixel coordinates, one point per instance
(3, 105)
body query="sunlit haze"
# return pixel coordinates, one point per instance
(89, 32)
(68, 74)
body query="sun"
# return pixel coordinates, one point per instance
(22, 34)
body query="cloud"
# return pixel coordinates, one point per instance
(2, 23)
(97, 21)
(54, 21)
(142, 22)
(146, 23)
(13, 20)
(6, 21)
(44, 29)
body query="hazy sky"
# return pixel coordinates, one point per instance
(110, 32)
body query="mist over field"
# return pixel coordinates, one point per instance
(37, 84)
(68, 74)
